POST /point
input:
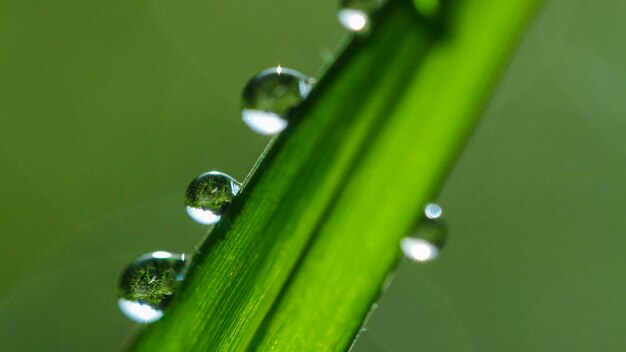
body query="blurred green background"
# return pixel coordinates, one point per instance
(109, 109)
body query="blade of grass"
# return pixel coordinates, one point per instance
(301, 255)
(355, 248)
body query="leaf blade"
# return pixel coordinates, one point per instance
(322, 162)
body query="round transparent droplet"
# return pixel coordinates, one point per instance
(209, 196)
(270, 96)
(355, 15)
(433, 211)
(429, 238)
(148, 284)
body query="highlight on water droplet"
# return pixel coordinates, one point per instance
(270, 96)
(209, 196)
(354, 20)
(433, 211)
(428, 239)
(418, 249)
(147, 285)
(354, 15)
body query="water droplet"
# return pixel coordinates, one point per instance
(354, 15)
(148, 284)
(433, 211)
(427, 241)
(269, 97)
(209, 196)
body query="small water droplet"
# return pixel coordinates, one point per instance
(427, 241)
(209, 196)
(146, 287)
(354, 15)
(269, 97)
(433, 211)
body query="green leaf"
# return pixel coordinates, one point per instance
(302, 254)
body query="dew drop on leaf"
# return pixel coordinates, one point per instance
(354, 15)
(269, 97)
(433, 211)
(148, 284)
(209, 196)
(428, 239)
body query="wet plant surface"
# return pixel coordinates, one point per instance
(131, 101)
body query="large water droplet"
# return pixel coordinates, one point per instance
(148, 284)
(209, 196)
(354, 15)
(427, 241)
(269, 97)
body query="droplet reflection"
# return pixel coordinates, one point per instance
(418, 249)
(269, 97)
(428, 239)
(433, 211)
(209, 196)
(354, 15)
(353, 20)
(263, 122)
(148, 284)
(139, 312)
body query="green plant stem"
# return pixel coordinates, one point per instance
(301, 256)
